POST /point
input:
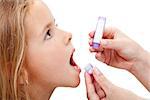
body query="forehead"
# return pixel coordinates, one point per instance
(37, 17)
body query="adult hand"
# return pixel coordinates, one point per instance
(99, 88)
(118, 50)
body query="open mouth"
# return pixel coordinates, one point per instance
(73, 63)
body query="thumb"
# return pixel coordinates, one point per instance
(111, 44)
(101, 79)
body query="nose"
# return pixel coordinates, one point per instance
(68, 37)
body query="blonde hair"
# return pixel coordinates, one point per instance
(12, 49)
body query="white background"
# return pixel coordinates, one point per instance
(80, 16)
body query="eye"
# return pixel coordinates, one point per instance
(48, 35)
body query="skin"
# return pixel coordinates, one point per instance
(114, 54)
(47, 60)
(102, 89)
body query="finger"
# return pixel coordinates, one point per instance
(109, 32)
(88, 80)
(100, 79)
(107, 54)
(91, 42)
(91, 34)
(100, 49)
(100, 56)
(103, 98)
(100, 93)
(99, 90)
(92, 49)
(91, 94)
(111, 44)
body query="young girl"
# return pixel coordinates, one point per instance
(35, 56)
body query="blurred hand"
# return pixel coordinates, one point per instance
(99, 88)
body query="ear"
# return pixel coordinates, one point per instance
(23, 77)
(26, 76)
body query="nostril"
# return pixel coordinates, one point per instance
(68, 38)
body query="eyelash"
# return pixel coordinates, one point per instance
(48, 35)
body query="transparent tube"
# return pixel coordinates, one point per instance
(99, 31)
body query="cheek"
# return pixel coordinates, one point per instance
(46, 64)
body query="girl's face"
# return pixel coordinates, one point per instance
(49, 52)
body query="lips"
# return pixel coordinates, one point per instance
(73, 63)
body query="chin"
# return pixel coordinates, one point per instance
(71, 83)
(75, 83)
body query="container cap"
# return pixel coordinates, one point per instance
(96, 45)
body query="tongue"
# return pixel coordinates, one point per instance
(72, 62)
